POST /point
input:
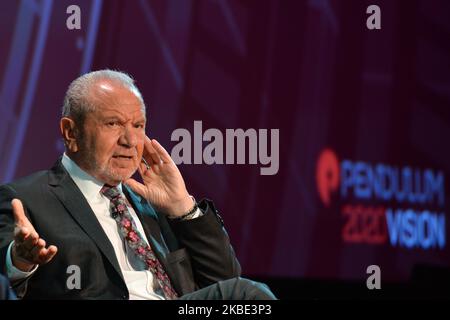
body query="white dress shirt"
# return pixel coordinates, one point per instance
(140, 281)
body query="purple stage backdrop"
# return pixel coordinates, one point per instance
(346, 159)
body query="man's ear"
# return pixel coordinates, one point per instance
(69, 132)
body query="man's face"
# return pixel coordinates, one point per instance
(113, 134)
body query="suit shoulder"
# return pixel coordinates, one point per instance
(27, 183)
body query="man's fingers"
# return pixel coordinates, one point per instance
(20, 233)
(41, 255)
(37, 251)
(136, 187)
(41, 243)
(19, 213)
(142, 168)
(163, 154)
(30, 241)
(51, 252)
(45, 255)
(26, 239)
(151, 152)
(53, 249)
(29, 247)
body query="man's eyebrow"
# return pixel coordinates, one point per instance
(115, 117)
(123, 119)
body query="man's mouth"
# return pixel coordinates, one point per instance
(123, 157)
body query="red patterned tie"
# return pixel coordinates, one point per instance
(128, 231)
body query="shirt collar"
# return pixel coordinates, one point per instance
(88, 185)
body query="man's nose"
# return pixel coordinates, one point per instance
(128, 138)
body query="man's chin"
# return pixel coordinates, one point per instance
(119, 175)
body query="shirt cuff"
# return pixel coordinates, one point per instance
(12, 272)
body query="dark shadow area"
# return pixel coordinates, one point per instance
(426, 283)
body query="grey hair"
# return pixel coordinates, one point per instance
(78, 102)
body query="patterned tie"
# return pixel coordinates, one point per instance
(128, 231)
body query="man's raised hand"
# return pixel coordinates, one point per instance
(28, 249)
(163, 184)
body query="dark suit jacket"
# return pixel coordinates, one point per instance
(195, 253)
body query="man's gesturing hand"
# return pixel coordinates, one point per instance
(163, 184)
(28, 249)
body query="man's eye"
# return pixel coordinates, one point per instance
(139, 126)
(112, 124)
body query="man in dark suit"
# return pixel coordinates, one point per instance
(108, 236)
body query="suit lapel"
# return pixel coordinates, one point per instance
(76, 204)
